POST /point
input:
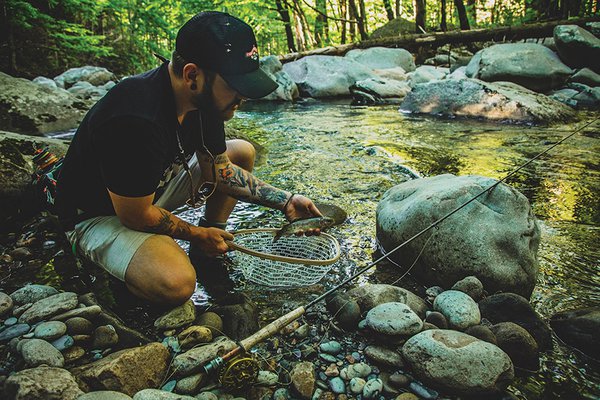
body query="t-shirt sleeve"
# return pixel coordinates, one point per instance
(131, 156)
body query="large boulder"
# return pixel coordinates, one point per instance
(495, 238)
(383, 58)
(577, 47)
(341, 72)
(457, 362)
(379, 90)
(41, 383)
(287, 89)
(26, 107)
(127, 371)
(499, 101)
(97, 76)
(579, 328)
(427, 73)
(531, 65)
(371, 295)
(395, 27)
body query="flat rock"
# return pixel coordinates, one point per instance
(459, 308)
(194, 359)
(104, 395)
(458, 362)
(36, 352)
(127, 371)
(156, 394)
(303, 379)
(32, 293)
(14, 331)
(49, 306)
(82, 312)
(176, 318)
(371, 295)
(43, 383)
(394, 319)
(50, 330)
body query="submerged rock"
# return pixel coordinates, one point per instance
(494, 238)
(520, 346)
(498, 101)
(458, 362)
(579, 328)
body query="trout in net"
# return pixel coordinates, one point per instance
(303, 225)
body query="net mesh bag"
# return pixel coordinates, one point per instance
(288, 262)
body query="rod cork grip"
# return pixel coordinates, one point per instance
(272, 328)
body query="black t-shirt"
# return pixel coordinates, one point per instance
(127, 143)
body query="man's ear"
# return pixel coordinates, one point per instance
(192, 75)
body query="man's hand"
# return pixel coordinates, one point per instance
(212, 241)
(301, 207)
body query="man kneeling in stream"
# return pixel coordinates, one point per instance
(157, 140)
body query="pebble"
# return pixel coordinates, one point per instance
(29, 335)
(79, 326)
(471, 286)
(407, 396)
(10, 321)
(207, 396)
(36, 352)
(212, 321)
(19, 310)
(14, 331)
(105, 336)
(194, 335)
(73, 354)
(460, 310)
(63, 342)
(356, 356)
(317, 394)
(360, 370)
(169, 386)
(332, 371)
(189, 384)
(104, 395)
(399, 381)
(357, 384)
(372, 388)
(172, 343)
(437, 319)
(6, 303)
(302, 331)
(322, 385)
(383, 356)
(337, 385)
(422, 391)
(331, 347)
(50, 330)
(82, 338)
(432, 292)
(281, 394)
(48, 244)
(267, 378)
(328, 357)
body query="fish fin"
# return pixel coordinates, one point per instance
(278, 235)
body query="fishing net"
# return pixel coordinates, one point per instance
(288, 262)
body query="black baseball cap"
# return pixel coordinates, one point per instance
(226, 45)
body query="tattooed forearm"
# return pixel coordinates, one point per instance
(168, 224)
(271, 195)
(235, 176)
(164, 225)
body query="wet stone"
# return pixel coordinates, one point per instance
(169, 386)
(194, 335)
(399, 381)
(49, 306)
(372, 388)
(437, 318)
(470, 286)
(383, 356)
(267, 378)
(6, 303)
(394, 319)
(357, 385)
(36, 352)
(212, 321)
(14, 331)
(10, 321)
(207, 396)
(19, 310)
(422, 391)
(460, 310)
(328, 357)
(432, 292)
(482, 332)
(79, 326)
(21, 253)
(29, 335)
(189, 384)
(50, 330)
(63, 342)
(332, 371)
(73, 354)
(105, 336)
(360, 370)
(104, 395)
(88, 312)
(281, 394)
(331, 347)
(337, 385)
(177, 317)
(407, 396)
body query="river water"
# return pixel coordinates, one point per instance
(350, 156)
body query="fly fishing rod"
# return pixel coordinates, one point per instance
(243, 365)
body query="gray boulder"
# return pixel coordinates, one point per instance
(46, 308)
(528, 64)
(287, 89)
(383, 57)
(500, 101)
(577, 47)
(587, 77)
(427, 73)
(41, 383)
(371, 295)
(379, 90)
(32, 293)
(394, 319)
(457, 362)
(157, 394)
(460, 310)
(341, 73)
(494, 238)
(26, 107)
(97, 76)
(594, 28)
(45, 82)
(579, 328)
(36, 352)
(85, 90)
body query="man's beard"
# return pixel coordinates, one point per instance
(205, 102)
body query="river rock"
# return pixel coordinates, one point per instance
(34, 109)
(356, 385)
(331, 347)
(426, 73)
(482, 332)
(384, 356)
(510, 307)
(470, 286)
(33, 293)
(527, 64)
(46, 308)
(85, 90)
(396, 74)
(518, 344)
(287, 89)
(42, 383)
(194, 335)
(437, 319)
(577, 47)
(378, 90)
(503, 258)
(580, 96)
(96, 76)
(345, 310)
(105, 336)
(177, 317)
(372, 388)
(127, 371)
(303, 379)
(89, 312)
(209, 396)
(73, 354)
(399, 381)
(239, 320)
(579, 328)
(587, 77)
(458, 362)
(358, 370)
(45, 82)
(36, 352)
(407, 396)
(190, 384)
(194, 359)
(104, 395)
(371, 295)
(341, 73)
(64, 342)
(458, 73)
(156, 394)
(383, 58)
(460, 310)
(6, 303)
(394, 319)
(212, 321)
(50, 330)
(337, 385)
(79, 326)
(267, 378)
(498, 101)
(13, 331)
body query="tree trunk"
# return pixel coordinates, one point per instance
(420, 6)
(10, 40)
(363, 17)
(359, 19)
(320, 22)
(443, 23)
(344, 14)
(462, 15)
(287, 24)
(353, 17)
(472, 11)
(399, 8)
(387, 4)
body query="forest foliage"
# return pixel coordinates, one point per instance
(47, 37)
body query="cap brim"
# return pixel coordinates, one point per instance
(254, 85)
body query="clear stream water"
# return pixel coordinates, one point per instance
(349, 156)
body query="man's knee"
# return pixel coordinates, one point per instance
(177, 287)
(241, 153)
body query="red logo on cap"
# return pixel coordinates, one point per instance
(253, 54)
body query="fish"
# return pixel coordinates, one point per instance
(302, 225)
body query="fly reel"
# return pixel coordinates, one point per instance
(239, 373)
